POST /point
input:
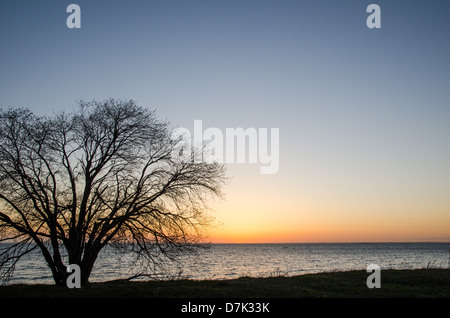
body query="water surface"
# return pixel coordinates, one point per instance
(225, 261)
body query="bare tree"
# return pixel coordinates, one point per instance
(74, 183)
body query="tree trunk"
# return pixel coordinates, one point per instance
(59, 271)
(87, 264)
(59, 275)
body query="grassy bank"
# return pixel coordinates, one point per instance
(394, 283)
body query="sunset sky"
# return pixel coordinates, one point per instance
(363, 114)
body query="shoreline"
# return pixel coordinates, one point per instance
(403, 283)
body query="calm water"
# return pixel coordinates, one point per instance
(222, 261)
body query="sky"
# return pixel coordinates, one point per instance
(363, 113)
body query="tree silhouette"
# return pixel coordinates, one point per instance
(74, 183)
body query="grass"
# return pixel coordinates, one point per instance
(419, 283)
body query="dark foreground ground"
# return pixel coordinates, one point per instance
(421, 283)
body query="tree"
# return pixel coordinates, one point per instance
(104, 174)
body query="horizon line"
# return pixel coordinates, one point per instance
(336, 242)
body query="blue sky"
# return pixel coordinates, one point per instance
(364, 114)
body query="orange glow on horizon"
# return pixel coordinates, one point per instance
(319, 238)
(296, 209)
(314, 228)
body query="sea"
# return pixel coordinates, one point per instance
(229, 261)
